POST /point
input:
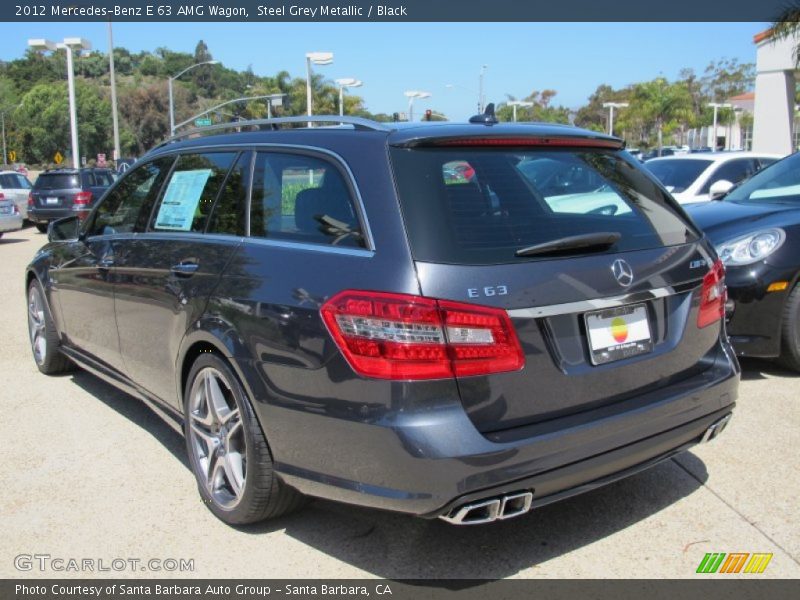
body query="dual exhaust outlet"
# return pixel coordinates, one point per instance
(487, 511)
(517, 504)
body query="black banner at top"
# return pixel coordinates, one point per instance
(391, 10)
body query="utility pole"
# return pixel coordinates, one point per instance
(115, 118)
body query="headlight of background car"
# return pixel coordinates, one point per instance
(751, 248)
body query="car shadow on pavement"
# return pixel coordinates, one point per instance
(10, 240)
(135, 411)
(760, 368)
(397, 546)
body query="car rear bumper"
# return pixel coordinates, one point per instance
(45, 215)
(426, 462)
(10, 222)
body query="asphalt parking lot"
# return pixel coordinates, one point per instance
(89, 472)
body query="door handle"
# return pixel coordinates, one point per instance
(184, 268)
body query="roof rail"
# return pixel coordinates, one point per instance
(355, 122)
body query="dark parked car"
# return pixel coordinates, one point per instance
(756, 230)
(330, 312)
(62, 192)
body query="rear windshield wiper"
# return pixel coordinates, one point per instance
(592, 242)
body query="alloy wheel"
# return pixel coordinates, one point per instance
(36, 325)
(217, 437)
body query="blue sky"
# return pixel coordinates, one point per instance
(572, 58)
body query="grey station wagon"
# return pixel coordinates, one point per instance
(461, 321)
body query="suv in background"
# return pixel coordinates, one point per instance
(62, 192)
(414, 318)
(15, 187)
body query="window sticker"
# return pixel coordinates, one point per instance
(180, 202)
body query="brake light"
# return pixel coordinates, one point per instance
(82, 199)
(30, 200)
(2, 196)
(399, 336)
(575, 142)
(713, 296)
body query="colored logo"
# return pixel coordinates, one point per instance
(619, 329)
(735, 562)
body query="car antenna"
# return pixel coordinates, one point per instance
(487, 118)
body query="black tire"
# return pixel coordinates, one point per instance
(790, 332)
(263, 495)
(42, 333)
(42, 227)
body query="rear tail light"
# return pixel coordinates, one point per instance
(2, 196)
(82, 199)
(399, 336)
(30, 200)
(713, 296)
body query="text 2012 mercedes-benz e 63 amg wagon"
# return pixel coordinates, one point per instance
(461, 321)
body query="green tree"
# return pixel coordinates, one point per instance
(660, 103)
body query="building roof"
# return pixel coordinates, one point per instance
(763, 35)
(744, 97)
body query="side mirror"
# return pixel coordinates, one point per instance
(719, 189)
(64, 229)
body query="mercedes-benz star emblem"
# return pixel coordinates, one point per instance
(622, 272)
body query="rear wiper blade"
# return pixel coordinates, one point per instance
(600, 240)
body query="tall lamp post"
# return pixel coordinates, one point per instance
(481, 96)
(347, 82)
(317, 58)
(69, 44)
(115, 119)
(169, 85)
(411, 95)
(516, 103)
(713, 137)
(611, 106)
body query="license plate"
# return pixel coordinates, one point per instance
(51, 200)
(5, 210)
(618, 333)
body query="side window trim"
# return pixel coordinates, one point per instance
(347, 177)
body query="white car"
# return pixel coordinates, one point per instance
(703, 176)
(10, 218)
(15, 186)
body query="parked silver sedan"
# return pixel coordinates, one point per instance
(10, 217)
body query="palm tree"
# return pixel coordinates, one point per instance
(662, 103)
(787, 25)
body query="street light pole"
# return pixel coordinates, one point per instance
(411, 94)
(481, 99)
(347, 82)
(318, 58)
(611, 106)
(515, 103)
(115, 119)
(713, 137)
(169, 85)
(68, 44)
(5, 150)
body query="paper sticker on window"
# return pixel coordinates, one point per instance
(180, 201)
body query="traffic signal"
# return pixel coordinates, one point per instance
(428, 114)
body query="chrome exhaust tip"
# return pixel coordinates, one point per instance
(488, 511)
(474, 514)
(515, 505)
(715, 429)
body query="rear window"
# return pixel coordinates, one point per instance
(57, 181)
(677, 175)
(479, 206)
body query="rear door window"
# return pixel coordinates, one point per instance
(303, 199)
(58, 181)
(191, 191)
(520, 198)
